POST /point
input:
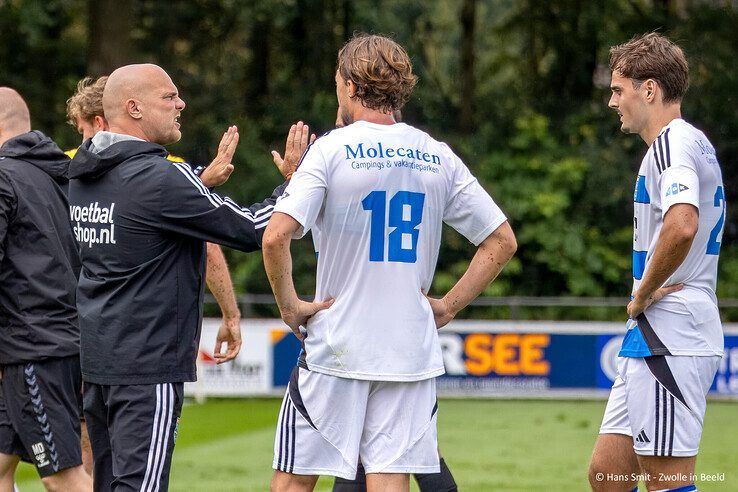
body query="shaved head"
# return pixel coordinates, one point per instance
(128, 82)
(14, 116)
(141, 100)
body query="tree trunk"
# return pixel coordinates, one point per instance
(257, 88)
(347, 21)
(109, 26)
(468, 55)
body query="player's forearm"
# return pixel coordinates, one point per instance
(491, 257)
(669, 253)
(278, 266)
(219, 282)
(671, 249)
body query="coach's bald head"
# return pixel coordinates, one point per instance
(142, 101)
(14, 116)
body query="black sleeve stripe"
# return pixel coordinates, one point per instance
(662, 152)
(656, 156)
(666, 144)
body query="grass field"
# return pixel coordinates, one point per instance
(490, 445)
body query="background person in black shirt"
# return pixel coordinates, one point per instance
(39, 333)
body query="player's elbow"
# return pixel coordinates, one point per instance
(512, 243)
(271, 241)
(686, 232)
(503, 240)
(507, 240)
(278, 233)
(681, 224)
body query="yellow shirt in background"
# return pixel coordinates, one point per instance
(174, 158)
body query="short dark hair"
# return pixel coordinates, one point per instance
(653, 56)
(381, 70)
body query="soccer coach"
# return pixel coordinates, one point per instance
(142, 223)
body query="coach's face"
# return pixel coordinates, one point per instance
(629, 102)
(161, 107)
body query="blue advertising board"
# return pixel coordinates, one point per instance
(531, 357)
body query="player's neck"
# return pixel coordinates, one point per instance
(374, 116)
(659, 120)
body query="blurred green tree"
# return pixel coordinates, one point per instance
(518, 88)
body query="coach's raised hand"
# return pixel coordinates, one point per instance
(221, 168)
(297, 143)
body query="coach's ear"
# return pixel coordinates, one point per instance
(134, 109)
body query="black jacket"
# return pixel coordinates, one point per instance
(141, 222)
(39, 261)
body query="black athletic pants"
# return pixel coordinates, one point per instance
(132, 431)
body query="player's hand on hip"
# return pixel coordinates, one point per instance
(640, 304)
(441, 311)
(221, 168)
(230, 334)
(297, 143)
(300, 314)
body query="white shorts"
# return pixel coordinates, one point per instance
(326, 423)
(660, 402)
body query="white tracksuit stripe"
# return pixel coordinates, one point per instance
(159, 437)
(217, 201)
(154, 432)
(165, 444)
(184, 169)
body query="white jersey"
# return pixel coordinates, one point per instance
(376, 195)
(679, 167)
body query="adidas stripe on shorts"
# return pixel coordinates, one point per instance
(40, 412)
(327, 423)
(132, 430)
(660, 402)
